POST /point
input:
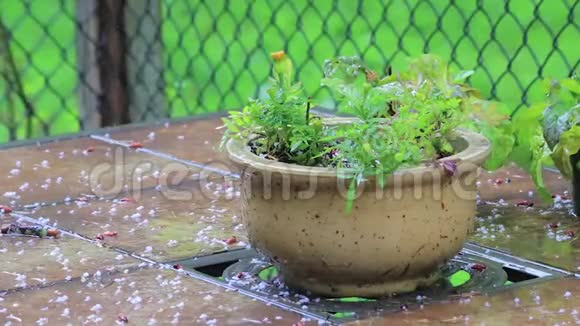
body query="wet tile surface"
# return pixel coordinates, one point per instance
(161, 225)
(513, 185)
(145, 297)
(548, 236)
(75, 168)
(196, 140)
(550, 303)
(544, 233)
(31, 174)
(31, 261)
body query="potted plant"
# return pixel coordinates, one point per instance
(369, 205)
(548, 130)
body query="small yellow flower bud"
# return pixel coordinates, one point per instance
(278, 55)
(283, 68)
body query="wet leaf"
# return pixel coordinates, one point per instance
(123, 318)
(480, 267)
(525, 203)
(450, 167)
(231, 240)
(128, 200)
(568, 145)
(135, 145)
(5, 209)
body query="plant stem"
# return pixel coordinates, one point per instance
(308, 103)
(390, 104)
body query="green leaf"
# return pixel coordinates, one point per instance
(568, 145)
(490, 112)
(573, 85)
(463, 75)
(537, 175)
(557, 119)
(296, 145)
(491, 119)
(502, 142)
(430, 66)
(527, 127)
(367, 147)
(530, 149)
(231, 125)
(400, 157)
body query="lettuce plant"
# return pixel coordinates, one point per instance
(422, 104)
(549, 130)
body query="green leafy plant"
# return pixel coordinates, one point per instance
(411, 116)
(280, 126)
(403, 119)
(426, 103)
(549, 129)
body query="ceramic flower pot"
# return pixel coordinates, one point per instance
(394, 239)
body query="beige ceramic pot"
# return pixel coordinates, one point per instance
(394, 239)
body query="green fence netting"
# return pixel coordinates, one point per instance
(215, 53)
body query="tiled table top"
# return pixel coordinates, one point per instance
(551, 303)
(154, 226)
(30, 261)
(162, 210)
(144, 297)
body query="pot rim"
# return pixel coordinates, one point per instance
(478, 149)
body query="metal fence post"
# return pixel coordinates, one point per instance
(113, 62)
(89, 80)
(101, 51)
(145, 60)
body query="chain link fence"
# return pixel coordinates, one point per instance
(68, 65)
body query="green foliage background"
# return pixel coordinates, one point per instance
(217, 51)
